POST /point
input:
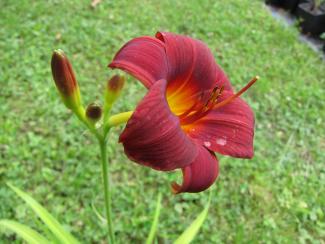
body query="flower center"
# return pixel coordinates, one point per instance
(209, 101)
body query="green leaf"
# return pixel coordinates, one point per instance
(29, 235)
(154, 225)
(188, 235)
(54, 226)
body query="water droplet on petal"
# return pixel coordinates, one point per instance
(221, 141)
(207, 143)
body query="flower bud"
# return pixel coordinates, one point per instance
(93, 112)
(113, 89)
(65, 80)
(112, 92)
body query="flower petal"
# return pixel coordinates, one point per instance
(153, 136)
(144, 58)
(191, 65)
(228, 130)
(200, 174)
(187, 64)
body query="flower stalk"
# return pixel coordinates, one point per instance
(67, 86)
(107, 188)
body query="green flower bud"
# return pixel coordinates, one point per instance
(113, 89)
(112, 92)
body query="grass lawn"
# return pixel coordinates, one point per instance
(278, 197)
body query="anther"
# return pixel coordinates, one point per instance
(212, 103)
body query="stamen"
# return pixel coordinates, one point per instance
(188, 118)
(193, 114)
(213, 96)
(216, 93)
(229, 99)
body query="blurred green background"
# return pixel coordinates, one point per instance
(278, 197)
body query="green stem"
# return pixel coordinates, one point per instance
(107, 190)
(154, 224)
(102, 139)
(80, 113)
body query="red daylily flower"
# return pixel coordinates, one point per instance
(189, 112)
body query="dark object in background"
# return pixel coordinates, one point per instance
(290, 5)
(312, 18)
(277, 3)
(324, 47)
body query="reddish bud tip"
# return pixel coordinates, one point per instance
(113, 90)
(63, 74)
(94, 112)
(116, 83)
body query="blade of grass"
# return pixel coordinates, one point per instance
(290, 141)
(29, 235)
(189, 234)
(39, 225)
(54, 226)
(99, 216)
(154, 225)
